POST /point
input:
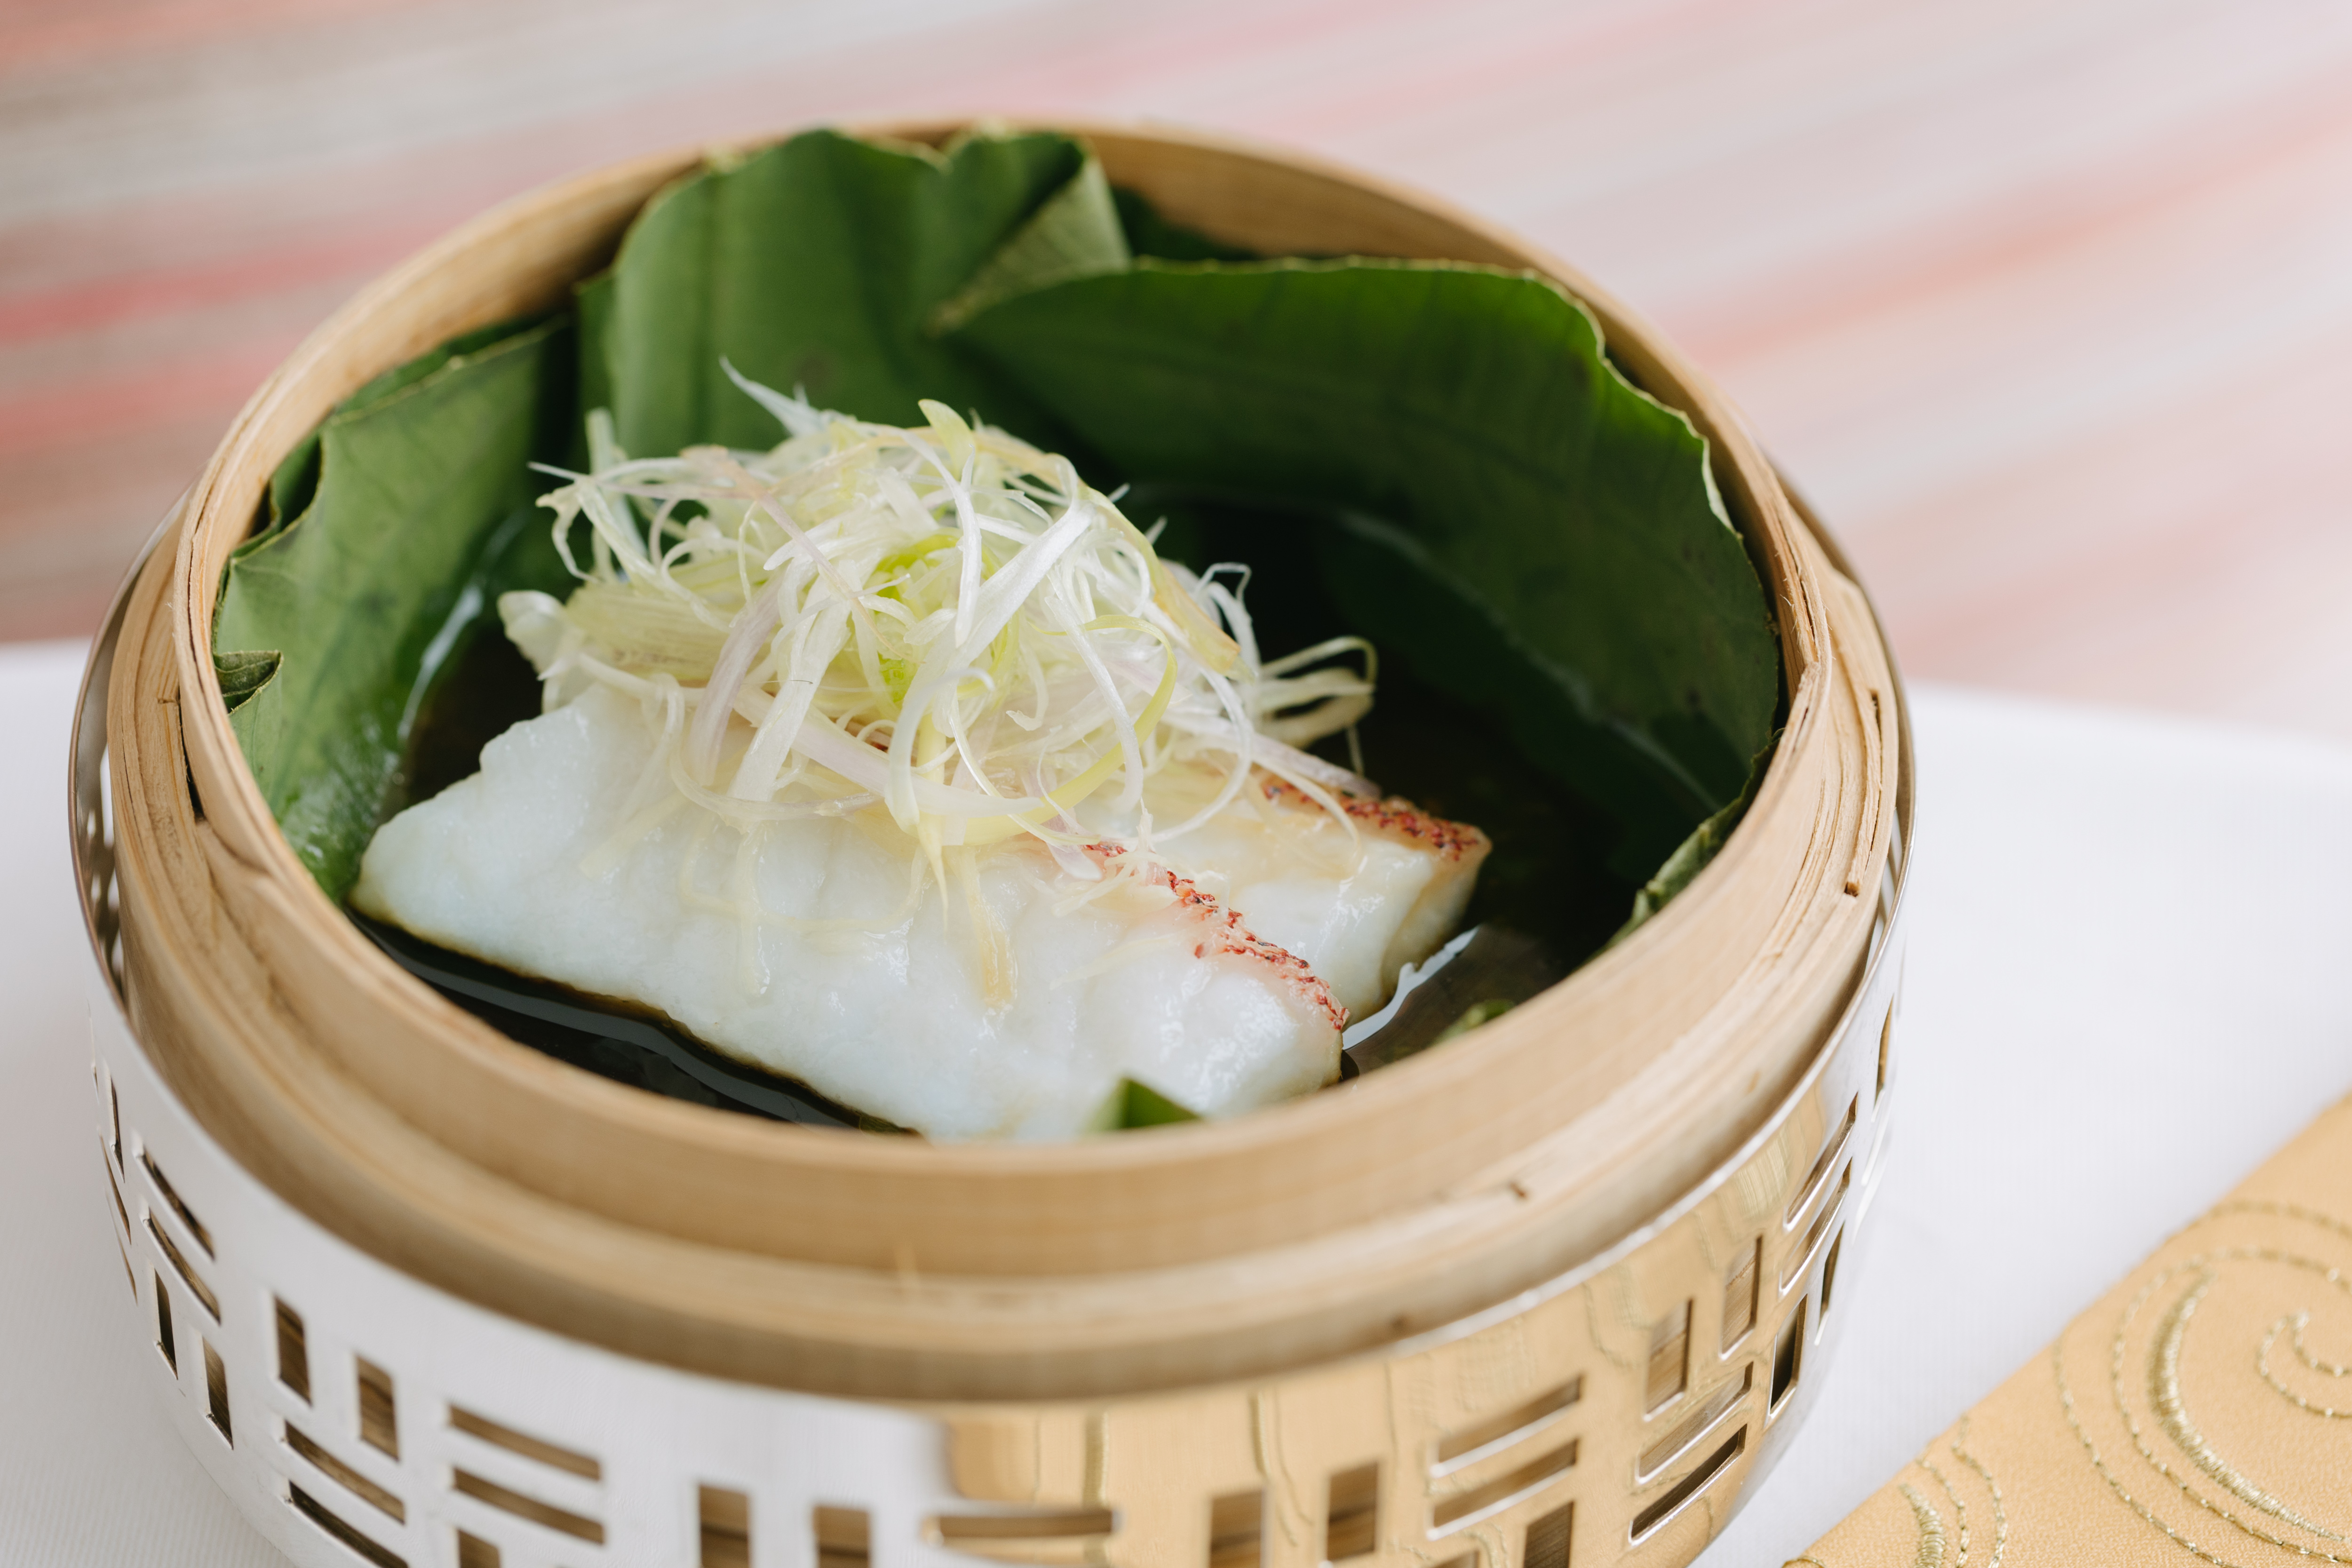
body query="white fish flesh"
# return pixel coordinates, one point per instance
(1357, 901)
(1008, 1004)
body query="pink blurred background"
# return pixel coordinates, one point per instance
(2047, 303)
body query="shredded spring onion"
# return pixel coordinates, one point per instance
(940, 621)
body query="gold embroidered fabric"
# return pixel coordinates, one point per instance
(2201, 1411)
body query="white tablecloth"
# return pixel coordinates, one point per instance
(2127, 987)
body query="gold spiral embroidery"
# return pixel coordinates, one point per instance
(1959, 1510)
(2099, 1464)
(2173, 1410)
(2299, 1321)
(1992, 1489)
(2279, 1211)
(1931, 1529)
(2118, 1356)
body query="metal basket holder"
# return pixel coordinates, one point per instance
(355, 1413)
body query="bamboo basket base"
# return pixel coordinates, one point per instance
(1617, 1411)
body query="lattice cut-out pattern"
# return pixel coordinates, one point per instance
(1669, 1364)
(724, 1517)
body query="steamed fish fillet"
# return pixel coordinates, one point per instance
(890, 1009)
(1357, 902)
(861, 977)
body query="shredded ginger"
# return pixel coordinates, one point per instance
(941, 621)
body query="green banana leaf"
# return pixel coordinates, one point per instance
(394, 530)
(1526, 531)
(1132, 1105)
(1149, 234)
(1521, 530)
(1694, 854)
(822, 263)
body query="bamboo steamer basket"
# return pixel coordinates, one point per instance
(1560, 1291)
